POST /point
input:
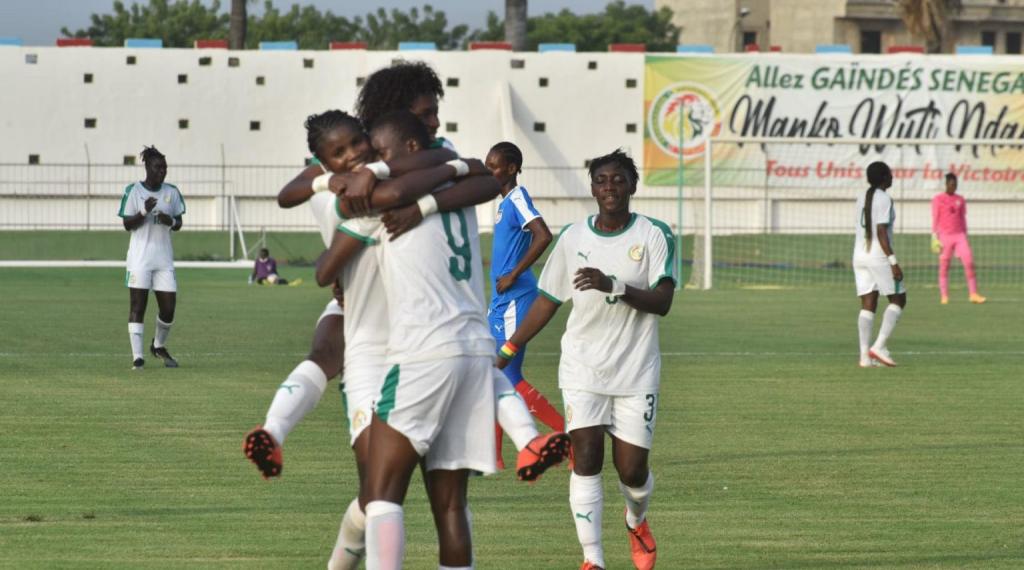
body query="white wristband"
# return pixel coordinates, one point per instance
(427, 204)
(618, 288)
(379, 169)
(892, 260)
(322, 182)
(460, 166)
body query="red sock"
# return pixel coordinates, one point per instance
(497, 446)
(540, 407)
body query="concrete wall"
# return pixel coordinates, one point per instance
(710, 22)
(799, 26)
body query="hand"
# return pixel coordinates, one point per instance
(500, 362)
(358, 186)
(505, 282)
(588, 278)
(150, 204)
(936, 245)
(401, 220)
(339, 294)
(897, 273)
(162, 218)
(476, 168)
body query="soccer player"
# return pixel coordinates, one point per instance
(432, 406)
(618, 269)
(264, 270)
(949, 237)
(520, 237)
(875, 267)
(151, 210)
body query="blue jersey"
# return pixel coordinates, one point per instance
(511, 240)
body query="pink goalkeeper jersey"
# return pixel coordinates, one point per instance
(949, 214)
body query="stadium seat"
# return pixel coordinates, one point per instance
(474, 46)
(905, 49)
(974, 50)
(74, 42)
(833, 48)
(629, 48)
(10, 41)
(695, 48)
(348, 45)
(287, 45)
(543, 48)
(149, 43)
(417, 46)
(210, 44)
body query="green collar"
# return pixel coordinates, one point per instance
(593, 228)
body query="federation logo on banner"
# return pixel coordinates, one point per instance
(701, 118)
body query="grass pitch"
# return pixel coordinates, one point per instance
(773, 450)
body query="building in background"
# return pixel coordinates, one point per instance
(867, 26)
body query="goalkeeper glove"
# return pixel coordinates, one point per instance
(936, 245)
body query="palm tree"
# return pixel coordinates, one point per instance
(929, 19)
(238, 21)
(515, 24)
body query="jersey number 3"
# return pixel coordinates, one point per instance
(463, 251)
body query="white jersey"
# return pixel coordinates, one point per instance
(325, 213)
(433, 279)
(150, 246)
(882, 212)
(609, 347)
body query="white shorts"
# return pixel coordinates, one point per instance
(629, 418)
(332, 309)
(876, 276)
(156, 279)
(445, 408)
(359, 390)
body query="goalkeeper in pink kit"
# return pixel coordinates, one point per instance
(949, 237)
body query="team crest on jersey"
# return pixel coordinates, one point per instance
(568, 414)
(358, 420)
(167, 198)
(636, 253)
(497, 219)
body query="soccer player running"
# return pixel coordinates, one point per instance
(618, 269)
(949, 237)
(151, 210)
(875, 267)
(520, 237)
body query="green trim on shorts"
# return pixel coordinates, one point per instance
(344, 404)
(127, 276)
(387, 394)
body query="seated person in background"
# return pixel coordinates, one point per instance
(264, 271)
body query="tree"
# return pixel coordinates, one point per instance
(178, 24)
(309, 27)
(929, 19)
(515, 24)
(619, 23)
(383, 29)
(238, 20)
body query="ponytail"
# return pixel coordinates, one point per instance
(869, 201)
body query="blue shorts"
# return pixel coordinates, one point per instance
(504, 317)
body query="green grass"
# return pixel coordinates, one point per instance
(773, 450)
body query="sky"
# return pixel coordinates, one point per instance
(38, 22)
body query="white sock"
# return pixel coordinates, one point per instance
(135, 331)
(889, 320)
(586, 497)
(162, 330)
(385, 536)
(513, 415)
(865, 325)
(295, 398)
(351, 544)
(637, 500)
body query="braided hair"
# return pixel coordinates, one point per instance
(510, 153)
(319, 125)
(878, 174)
(405, 126)
(150, 153)
(395, 88)
(619, 158)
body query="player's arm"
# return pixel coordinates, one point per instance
(539, 315)
(132, 223)
(330, 263)
(300, 189)
(657, 300)
(468, 192)
(541, 239)
(357, 196)
(882, 230)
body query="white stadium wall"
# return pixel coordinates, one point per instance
(587, 104)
